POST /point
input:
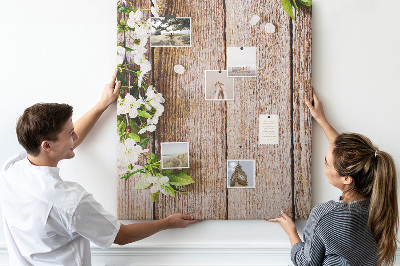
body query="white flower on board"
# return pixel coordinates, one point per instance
(131, 105)
(120, 55)
(136, 16)
(155, 10)
(149, 128)
(145, 66)
(155, 188)
(152, 179)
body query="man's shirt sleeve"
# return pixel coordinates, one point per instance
(91, 221)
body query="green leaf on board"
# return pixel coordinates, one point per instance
(120, 77)
(168, 172)
(128, 49)
(295, 5)
(122, 22)
(134, 127)
(287, 6)
(305, 2)
(121, 127)
(154, 196)
(153, 156)
(134, 136)
(179, 179)
(123, 9)
(144, 142)
(166, 189)
(144, 114)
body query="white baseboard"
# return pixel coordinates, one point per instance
(187, 254)
(193, 254)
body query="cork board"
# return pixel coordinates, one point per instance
(220, 130)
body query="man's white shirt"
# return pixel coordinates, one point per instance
(48, 221)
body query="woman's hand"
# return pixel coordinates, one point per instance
(316, 109)
(288, 226)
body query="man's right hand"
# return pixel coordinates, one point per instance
(178, 220)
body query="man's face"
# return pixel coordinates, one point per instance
(63, 147)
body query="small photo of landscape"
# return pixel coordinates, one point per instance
(170, 32)
(174, 155)
(242, 61)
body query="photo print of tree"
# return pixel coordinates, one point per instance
(167, 32)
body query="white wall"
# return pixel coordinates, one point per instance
(64, 51)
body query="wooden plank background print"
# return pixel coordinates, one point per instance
(220, 130)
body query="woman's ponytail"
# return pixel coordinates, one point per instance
(383, 214)
(374, 177)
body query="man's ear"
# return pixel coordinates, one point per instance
(347, 180)
(46, 146)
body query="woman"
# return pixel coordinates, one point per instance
(220, 92)
(361, 227)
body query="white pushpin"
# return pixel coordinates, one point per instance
(254, 20)
(269, 28)
(179, 69)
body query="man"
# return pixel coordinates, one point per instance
(49, 221)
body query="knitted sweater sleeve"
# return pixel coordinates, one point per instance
(312, 251)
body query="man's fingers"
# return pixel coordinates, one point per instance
(186, 217)
(193, 221)
(114, 77)
(274, 220)
(117, 86)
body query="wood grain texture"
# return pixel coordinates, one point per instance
(134, 204)
(269, 93)
(219, 130)
(302, 88)
(188, 117)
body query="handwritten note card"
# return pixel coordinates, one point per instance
(269, 129)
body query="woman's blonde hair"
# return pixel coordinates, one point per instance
(374, 177)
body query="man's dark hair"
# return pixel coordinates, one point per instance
(41, 121)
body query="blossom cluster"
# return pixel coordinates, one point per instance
(147, 108)
(131, 106)
(141, 35)
(128, 153)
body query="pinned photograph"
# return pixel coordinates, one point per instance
(170, 32)
(218, 86)
(241, 173)
(174, 155)
(242, 61)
